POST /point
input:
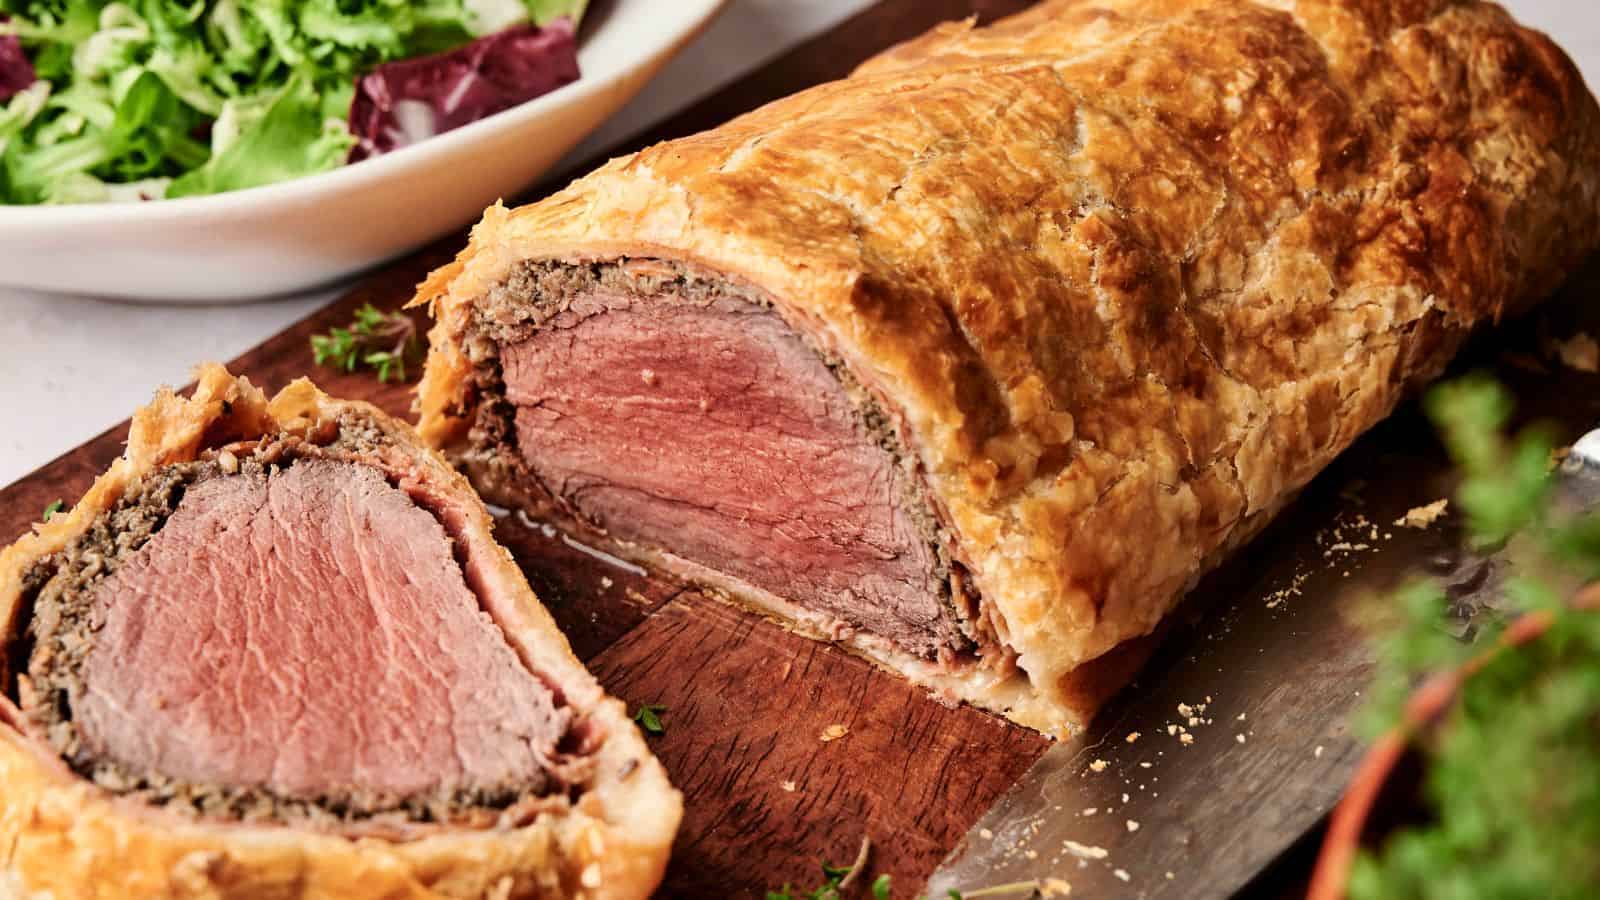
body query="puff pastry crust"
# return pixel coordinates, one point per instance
(1128, 273)
(62, 837)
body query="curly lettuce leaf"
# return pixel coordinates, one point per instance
(291, 138)
(545, 11)
(133, 130)
(484, 17)
(21, 110)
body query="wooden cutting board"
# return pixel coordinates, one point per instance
(746, 702)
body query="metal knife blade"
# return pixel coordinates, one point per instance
(1235, 740)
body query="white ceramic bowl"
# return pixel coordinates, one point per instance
(310, 231)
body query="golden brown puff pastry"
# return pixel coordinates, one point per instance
(85, 812)
(1105, 283)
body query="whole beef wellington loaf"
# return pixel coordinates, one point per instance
(276, 652)
(976, 360)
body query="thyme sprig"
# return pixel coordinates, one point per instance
(837, 881)
(384, 342)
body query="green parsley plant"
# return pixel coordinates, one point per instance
(1512, 781)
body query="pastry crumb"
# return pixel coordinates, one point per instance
(1085, 851)
(1239, 738)
(1423, 516)
(1186, 738)
(789, 786)
(1055, 887)
(1098, 765)
(1122, 874)
(1347, 547)
(1281, 595)
(986, 834)
(1580, 352)
(1317, 752)
(1090, 810)
(1132, 736)
(1133, 825)
(834, 732)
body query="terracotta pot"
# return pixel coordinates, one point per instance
(1351, 819)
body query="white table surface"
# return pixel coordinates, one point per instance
(73, 367)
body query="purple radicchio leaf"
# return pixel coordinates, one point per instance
(16, 72)
(409, 100)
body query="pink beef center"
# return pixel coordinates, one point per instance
(309, 632)
(714, 433)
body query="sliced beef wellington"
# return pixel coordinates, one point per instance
(275, 651)
(976, 360)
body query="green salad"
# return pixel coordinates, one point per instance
(104, 101)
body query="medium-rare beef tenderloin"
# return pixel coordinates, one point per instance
(975, 361)
(277, 645)
(664, 410)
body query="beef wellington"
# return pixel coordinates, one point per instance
(275, 651)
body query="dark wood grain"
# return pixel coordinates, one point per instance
(594, 602)
(747, 702)
(748, 709)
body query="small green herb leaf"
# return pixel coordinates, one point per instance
(834, 872)
(836, 881)
(53, 508)
(649, 718)
(383, 342)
